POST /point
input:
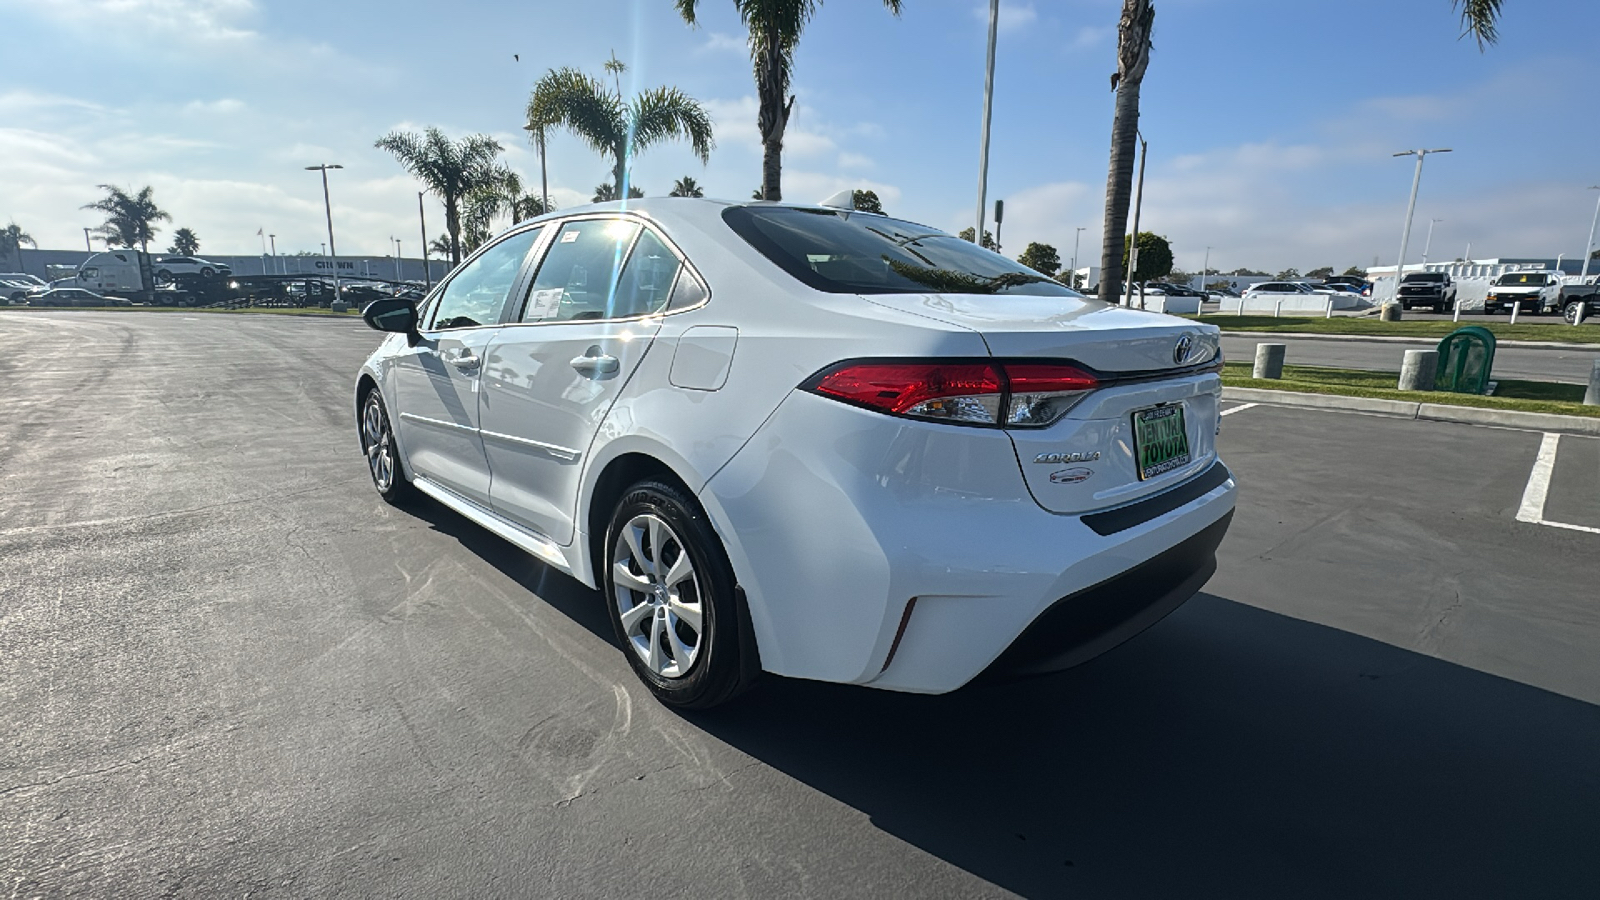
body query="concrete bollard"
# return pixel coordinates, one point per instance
(1591, 397)
(1269, 361)
(1329, 313)
(1582, 313)
(1515, 308)
(1457, 316)
(1277, 310)
(1389, 312)
(338, 306)
(1418, 370)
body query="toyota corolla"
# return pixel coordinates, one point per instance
(807, 440)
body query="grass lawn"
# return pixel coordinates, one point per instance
(1527, 396)
(1550, 329)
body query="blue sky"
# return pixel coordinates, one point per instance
(1270, 124)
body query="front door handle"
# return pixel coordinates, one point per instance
(596, 365)
(464, 360)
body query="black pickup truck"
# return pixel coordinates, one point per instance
(1435, 289)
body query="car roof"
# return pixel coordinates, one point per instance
(699, 211)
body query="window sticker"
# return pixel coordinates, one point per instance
(569, 236)
(544, 304)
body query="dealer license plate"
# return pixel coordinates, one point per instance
(1160, 441)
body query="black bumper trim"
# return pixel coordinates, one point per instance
(1081, 626)
(1124, 517)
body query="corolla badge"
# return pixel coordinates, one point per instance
(1058, 458)
(1070, 476)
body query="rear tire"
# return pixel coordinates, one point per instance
(383, 454)
(673, 601)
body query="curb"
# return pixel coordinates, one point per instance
(1429, 412)
(1382, 339)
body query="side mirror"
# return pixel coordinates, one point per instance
(392, 314)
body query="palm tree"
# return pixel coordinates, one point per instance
(606, 191)
(686, 187)
(528, 206)
(774, 27)
(451, 170)
(614, 127)
(185, 242)
(12, 237)
(130, 218)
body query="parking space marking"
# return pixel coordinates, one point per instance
(1538, 490)
(1240, 408)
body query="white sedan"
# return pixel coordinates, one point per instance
(167, 267)
(810, 441)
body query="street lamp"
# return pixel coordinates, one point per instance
(1203, 267)
(396, 259)
(544, 182)
(427, 267)
(328, 204)
(1405, 234)
(1138, 204)
(1429, 245)
(988, 113)
(1076, 236)
(1588, 249)
(90, 247)
(275, 264)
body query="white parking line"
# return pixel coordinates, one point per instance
(1240, 408)
(1538, 489)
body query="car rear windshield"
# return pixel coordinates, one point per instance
(1538, 278)
(846, 252)
(1425, 277)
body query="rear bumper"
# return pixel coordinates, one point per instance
(911, 556)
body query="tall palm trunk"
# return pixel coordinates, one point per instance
(1133, 55)
(452, 225)
(771, 85)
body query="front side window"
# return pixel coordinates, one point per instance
(846, 252)
(476, 295)
(581, 273)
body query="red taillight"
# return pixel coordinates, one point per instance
(1010, 394)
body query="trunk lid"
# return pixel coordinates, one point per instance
(1086, 460)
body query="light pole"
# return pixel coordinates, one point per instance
(988, 113)
(1588, 249)
(396, 259)
(1405, 233)
(273, 239)
(328, 204)
(537, 132)
(1076, 236)
(90, 247)
(427, 267)
(1428, 247)
(1203, 267)
(1138, 204)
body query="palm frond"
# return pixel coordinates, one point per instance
(1480, 19)
(567, 98)
(687, 9)
(667, 112)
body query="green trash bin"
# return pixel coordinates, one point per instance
(1466, 357)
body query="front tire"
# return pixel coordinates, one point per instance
(383, 454)
(671, 595)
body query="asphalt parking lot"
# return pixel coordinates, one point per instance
(226, 668)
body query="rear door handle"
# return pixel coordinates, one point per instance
(596, 365)
(464, 360)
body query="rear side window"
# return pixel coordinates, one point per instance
(846, 252)
(579, 276)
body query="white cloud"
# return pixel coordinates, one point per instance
(1012, 15)
(719, 42)
(208, 20)
(1089, 36)
(848, 160)
(810, 187)
(224, 106)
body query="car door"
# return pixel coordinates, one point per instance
(437, 381)
(586, 320)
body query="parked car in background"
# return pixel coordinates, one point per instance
(1361, 285)
(820, 443)
(1530, 292)
(1276, 288)
(1432, 289)
(71, 296)
(16, 286)
(166, 267)
(1172, 290)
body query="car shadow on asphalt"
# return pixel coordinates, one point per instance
(1227, 752)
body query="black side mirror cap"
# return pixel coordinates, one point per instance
(394, 315)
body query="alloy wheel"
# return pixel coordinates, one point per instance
(658, 596)
(378, 443)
